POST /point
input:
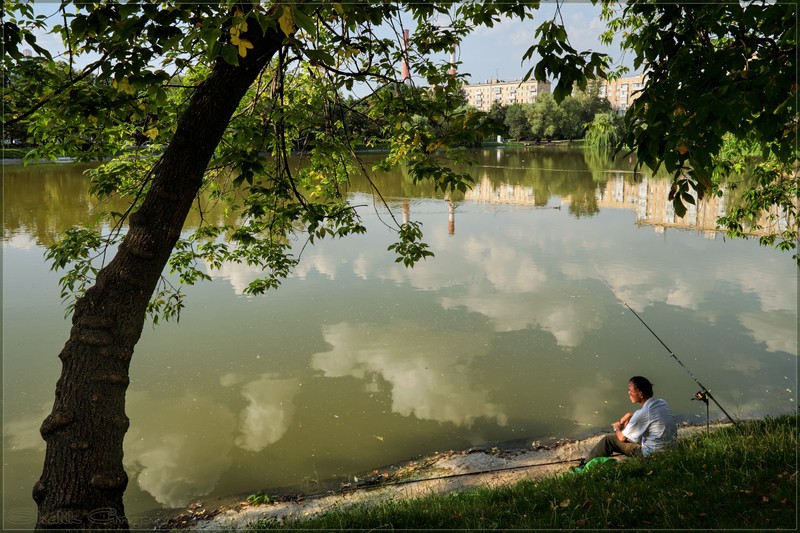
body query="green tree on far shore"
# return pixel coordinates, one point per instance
(516, 121)
(604, 131)
(546, 119)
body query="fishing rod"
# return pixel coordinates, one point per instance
(703, 394)
(378, 484)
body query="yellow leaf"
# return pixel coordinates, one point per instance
(123, 86)
(565, 503)
(243, 45)
(286, 21)
(151, 134)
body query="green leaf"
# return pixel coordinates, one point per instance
(230, 54)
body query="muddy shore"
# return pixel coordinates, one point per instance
(440, 473)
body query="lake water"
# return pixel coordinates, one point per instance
(513, 332)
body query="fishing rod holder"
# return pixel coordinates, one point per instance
(702, 396)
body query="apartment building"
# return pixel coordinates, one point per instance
(483, 95)
(621, 92)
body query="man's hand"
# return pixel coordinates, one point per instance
(617, 427)
(624, 420)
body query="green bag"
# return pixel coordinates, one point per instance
(591, 464)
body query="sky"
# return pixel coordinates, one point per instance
(488, 53)
(496, 53)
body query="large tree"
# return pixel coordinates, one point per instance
(213, 98)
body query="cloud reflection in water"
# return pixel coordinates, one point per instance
(178, 455)
(269, 411)
(427, 370)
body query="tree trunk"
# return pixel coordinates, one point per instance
(83, 479)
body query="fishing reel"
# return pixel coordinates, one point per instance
(701, 395)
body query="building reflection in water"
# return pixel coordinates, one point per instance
(649, 198)
(451, 216)
(451, 213)
(488, 191)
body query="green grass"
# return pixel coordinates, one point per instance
(742, 477)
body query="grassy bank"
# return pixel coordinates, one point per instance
(742, 477)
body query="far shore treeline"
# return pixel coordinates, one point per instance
(581, 115)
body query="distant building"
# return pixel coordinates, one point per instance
(483, 95)
(621, 92)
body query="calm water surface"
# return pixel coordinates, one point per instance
(514, 331)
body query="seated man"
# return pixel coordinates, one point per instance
(650, 429)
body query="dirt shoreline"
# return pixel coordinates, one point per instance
(440, 473)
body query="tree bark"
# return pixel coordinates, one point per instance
(83, 479)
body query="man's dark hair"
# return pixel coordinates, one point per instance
(643, 385)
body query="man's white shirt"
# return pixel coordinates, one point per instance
(652, 426)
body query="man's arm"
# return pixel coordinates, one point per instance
(618, 428)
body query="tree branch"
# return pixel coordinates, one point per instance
(86, 72)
